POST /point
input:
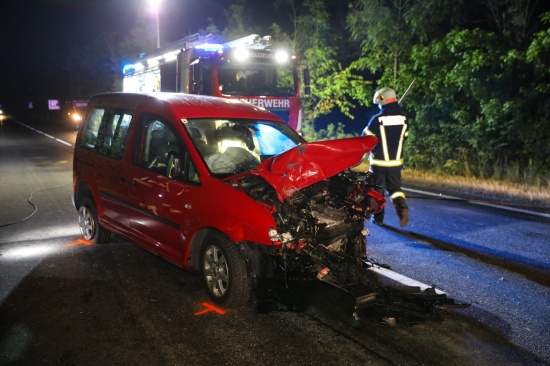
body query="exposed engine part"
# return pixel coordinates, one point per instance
(321, 235)
(330, 213)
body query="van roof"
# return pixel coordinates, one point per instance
(184, 105)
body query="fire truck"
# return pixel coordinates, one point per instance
(246, 69)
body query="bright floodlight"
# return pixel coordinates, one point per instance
(155, 4)
(241, 54)
(281, 56)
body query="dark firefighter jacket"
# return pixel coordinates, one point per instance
(390, 127)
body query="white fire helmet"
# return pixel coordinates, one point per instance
(383, 95)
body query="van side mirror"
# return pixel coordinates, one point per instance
(173, 167)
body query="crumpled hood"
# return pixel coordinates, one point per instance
(312, 162)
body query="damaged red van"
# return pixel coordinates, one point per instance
(218, 187)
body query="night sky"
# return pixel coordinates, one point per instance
(35, 34)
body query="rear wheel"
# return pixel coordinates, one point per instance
(89, 224)
(223, 270)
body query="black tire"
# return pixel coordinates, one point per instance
(225, 277)
(90, 228)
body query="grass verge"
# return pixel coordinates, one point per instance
(493, 189)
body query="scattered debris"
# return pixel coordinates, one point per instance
(390, 321)
(321, 236)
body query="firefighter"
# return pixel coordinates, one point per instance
(390, 127)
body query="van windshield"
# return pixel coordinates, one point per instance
(231, 146)
(257, 79)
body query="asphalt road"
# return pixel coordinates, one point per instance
(66, 303)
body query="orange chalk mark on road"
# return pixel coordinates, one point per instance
(209, 308)
(79, 241)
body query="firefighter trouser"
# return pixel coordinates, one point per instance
(388, 179)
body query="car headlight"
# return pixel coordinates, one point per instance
(273, 234)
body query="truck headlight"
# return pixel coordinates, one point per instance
(76, 117)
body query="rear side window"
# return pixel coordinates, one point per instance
(91, 128)
(105, 131)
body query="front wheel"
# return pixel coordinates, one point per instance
(88, 221)
(223, 270)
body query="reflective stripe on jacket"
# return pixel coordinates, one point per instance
(391, 129)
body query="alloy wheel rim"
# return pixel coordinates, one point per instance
(216, 271)
(86, 223)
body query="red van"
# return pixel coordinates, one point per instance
(216, 186)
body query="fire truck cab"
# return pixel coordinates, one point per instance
(246, 69)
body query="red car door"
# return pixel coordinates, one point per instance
(160, 204)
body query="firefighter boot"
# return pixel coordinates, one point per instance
(378, 218)
(402, 210)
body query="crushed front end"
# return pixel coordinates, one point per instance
(320, 216)
(330, 213)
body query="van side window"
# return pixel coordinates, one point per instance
(91, 128)
(105, 131)
(156, 142)
(121, 124)
(156, 147)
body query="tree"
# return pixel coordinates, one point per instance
(480, 103)
(387, 31)
(536, 98)
(512, 19)
(239, 23)
(322, 48)
(92, 68)
(96, 67)
(455, 97)
(480, 93)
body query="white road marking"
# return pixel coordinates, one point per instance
(63, 142)
(45, 134)
(542, 214)
(397, 277)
